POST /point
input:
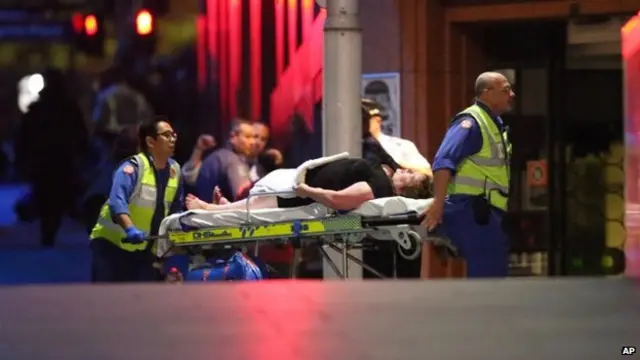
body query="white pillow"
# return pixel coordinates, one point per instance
(281, 180)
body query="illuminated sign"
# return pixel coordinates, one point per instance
(42, 4)
(23, 26)
(40, 31)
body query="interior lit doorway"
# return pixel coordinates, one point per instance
(567, 167)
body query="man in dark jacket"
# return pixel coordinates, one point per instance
(227, 168)
(51, 144)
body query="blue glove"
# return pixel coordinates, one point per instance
(134, 236)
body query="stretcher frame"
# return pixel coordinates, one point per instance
(342, 233)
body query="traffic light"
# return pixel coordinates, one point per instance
(144, 23)
(91, 27)
(88, 33)
(144, 32)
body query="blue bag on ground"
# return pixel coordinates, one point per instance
(238, 267)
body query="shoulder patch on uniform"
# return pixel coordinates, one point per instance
(466, 124)
(133, 159)
(172, 172)
(128, 169)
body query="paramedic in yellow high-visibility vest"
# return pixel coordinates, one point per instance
(471, 180)
(146, 188)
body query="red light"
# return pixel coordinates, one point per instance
(144, 23)
(90, 25)
(77, 22)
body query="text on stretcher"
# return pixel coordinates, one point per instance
(265, 231)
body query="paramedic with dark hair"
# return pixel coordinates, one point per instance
(146, 188)
(341, 185)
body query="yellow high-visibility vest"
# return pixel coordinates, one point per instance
(487, 171)
(142, 204)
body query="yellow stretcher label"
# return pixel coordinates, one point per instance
(267, 231)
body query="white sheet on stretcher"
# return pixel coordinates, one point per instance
(284, 180)
(206, 219)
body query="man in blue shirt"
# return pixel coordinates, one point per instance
(120, 250)
(228, 167)
(483, 246)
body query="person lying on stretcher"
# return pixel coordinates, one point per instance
(343, 184)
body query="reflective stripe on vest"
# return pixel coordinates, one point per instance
(142, 205)
(487, 171)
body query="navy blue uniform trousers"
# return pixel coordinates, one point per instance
(113, 264)
(485, 248)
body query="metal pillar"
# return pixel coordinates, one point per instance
(342, 71)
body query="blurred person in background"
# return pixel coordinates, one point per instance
(372, 150)
(125, 146)
(146, 188)
(404, 154)
(51, 145)
(117, 105)
(228, 167)
(265, 159)
(381, 257)
(402, 151)
(379, 92)
(190, 170)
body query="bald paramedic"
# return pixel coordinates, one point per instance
(471, 179)
(146, 188)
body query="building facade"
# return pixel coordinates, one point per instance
(265, 57)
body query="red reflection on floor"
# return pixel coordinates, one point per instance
(286, 316)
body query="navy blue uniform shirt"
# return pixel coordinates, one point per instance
(125, 183)
(461, 142)
(223, 168)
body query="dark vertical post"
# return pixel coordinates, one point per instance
(557, 152)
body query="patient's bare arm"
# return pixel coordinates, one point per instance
(345, 199)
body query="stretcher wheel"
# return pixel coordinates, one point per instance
(412, 249)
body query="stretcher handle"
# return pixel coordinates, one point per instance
(148, 239)
(409, 218)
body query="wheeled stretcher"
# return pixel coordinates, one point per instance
(386, 219)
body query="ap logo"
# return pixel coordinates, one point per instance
(628, 350)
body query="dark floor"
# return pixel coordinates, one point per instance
(385, 320)
(22, 261)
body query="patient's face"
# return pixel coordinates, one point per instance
(404, 179)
